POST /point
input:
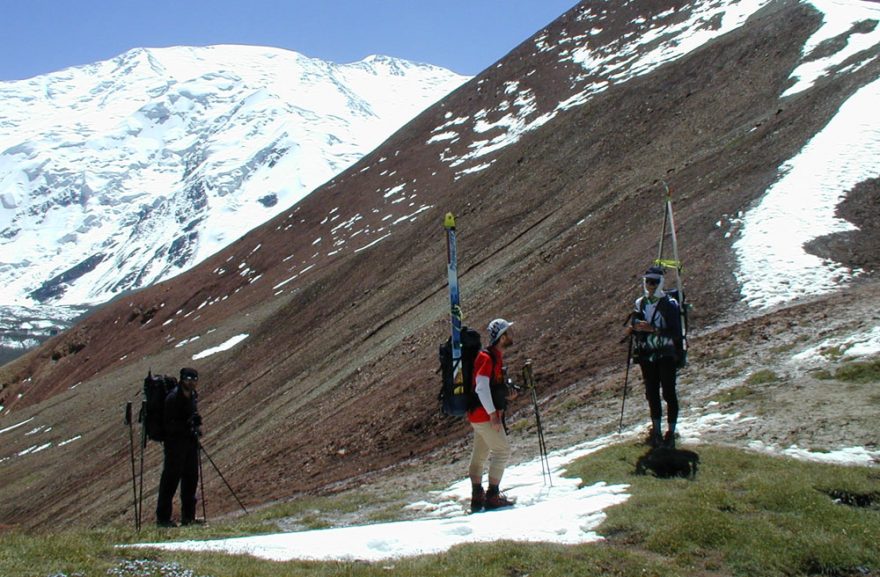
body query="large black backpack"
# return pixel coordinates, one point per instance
(156, 388)
(680, 338)
(681, 342)
(456, 399)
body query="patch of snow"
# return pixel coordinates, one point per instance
(561, 513)
(220, 348)
(855, 345)
(449, 135)
(17, 425)
(839, 17)
(35, 431)
(846, 456)
(68, 441)
(773, 266)
(374, 243)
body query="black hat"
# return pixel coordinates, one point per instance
(187, 373)
(655, 272)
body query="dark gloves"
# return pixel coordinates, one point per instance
(195, 425)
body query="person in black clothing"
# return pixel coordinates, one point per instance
(181, 467)
(656, 327)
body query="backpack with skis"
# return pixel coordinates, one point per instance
(458, 353)
(156, 388)
(675, 292)
(457, 396)
(668, 310)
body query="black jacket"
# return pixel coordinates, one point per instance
(182, 419)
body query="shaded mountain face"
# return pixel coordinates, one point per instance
(316, 334)
(120, 174)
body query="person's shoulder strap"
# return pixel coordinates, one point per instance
(479, 360)
(492, 361)
(667, 302)
(643, 307)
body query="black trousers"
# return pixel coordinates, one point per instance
(660, 375)
(181, 467)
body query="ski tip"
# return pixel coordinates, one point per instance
(449, 220)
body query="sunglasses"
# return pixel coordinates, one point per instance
(190, 378)
(652, 281)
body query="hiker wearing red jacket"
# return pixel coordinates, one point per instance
(490, 438)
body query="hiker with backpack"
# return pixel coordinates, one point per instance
(181, 431)
(657, 332)
(487, 419)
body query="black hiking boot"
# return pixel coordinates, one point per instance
(669, 440)
(166, 524)
(187, 522)
(478, 497)
(496, 500)
(654, 439)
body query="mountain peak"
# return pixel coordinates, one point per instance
(175, 152)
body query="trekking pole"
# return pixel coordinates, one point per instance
(141, 414)
(202, 483)
(625, 381)
(137, 514)
(529, 380)
(213, 464)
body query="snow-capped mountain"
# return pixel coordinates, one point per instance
(119, 174)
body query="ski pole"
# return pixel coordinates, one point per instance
(529, 380)
(202, 483)
(141, 417)
(625, 381)
(213, 464)
(137, 514)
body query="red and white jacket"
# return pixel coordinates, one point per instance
(483, 384)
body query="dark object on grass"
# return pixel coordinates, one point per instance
(665, 463)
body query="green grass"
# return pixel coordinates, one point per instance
(734, 394)
(762, 377)
(745, 514)
(727, 353)
(855, 372)
(835, 352)
(822, 374)
(859, 372)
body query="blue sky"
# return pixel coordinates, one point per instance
(40, 36)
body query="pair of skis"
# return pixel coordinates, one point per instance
(675, 264)
(454, 299)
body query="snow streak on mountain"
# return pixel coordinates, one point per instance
(117, 175)
(798, 209)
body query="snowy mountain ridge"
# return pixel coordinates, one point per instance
(122, 173)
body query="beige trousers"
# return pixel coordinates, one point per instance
(490, 445)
